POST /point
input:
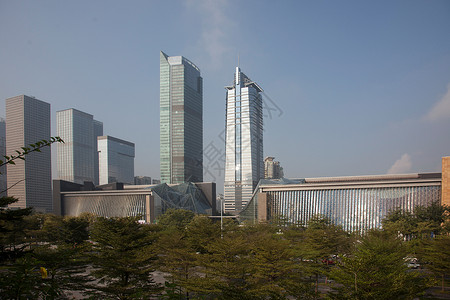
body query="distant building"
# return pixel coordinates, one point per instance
(156, 181)
(181, 120)
(142, 180)
(116, 160)
(3, 172)
(27, 122)
(117, 200)
(77, 157)
(357, 203)
(272, 168)
(244, 165)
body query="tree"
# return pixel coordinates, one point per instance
(436, 253)
(176, 218)
(13, 243)
(377, 270)
(425, 222)
(123, 258)
(316, 245)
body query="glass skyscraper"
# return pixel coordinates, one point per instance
(181, 120)
(77, 158)
(116, 160)
(30, 181)
(244, 165)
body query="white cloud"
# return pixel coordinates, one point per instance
(401, 165)
(216, 31)
(441, 109)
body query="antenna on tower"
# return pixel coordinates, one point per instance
(238, 60)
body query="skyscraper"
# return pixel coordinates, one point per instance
(116, 160)
(181, 120)
(272, 168)
(28, 121)
(2, 153)
(77, 158)
(244, 142)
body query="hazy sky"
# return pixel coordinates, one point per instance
(353, 87)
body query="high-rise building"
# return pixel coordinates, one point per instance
(116, 160)
(181, 120)
(142, 180)
(77, 157)
(30, 181)
(3, 171)
(244, 142)
(272, 168)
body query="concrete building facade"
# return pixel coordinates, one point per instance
(272, 168)
(3, 170)
(28, 121)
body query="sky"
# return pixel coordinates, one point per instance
(350, 87)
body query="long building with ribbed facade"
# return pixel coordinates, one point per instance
(357, 203)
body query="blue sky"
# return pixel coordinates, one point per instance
(358, 87)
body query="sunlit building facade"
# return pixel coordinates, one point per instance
(30, 181)
(181, 120)
(272, 168)
(77, 157)
(3, 171)
(116, 160)
(357, 203)
(146, 202)
(244, 165)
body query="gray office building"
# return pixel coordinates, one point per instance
(181, 120)
(3, 171)
(116, 160)
(28, 121)
(244, 165)
(77, 158)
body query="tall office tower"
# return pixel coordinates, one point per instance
(77, 158)
(116, 160)
(28, 121)
(272, 168)
(2, 153)
(98, 131)
(244, 142)
(181, 120)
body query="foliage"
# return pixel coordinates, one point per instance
(123, 258)
(176, 218)
(377, 270)
(436, 254)
(36, 147)
(425, 222)
(13, 242)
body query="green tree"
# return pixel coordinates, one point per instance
(275, 273)
(123, 258)
(316, 246)
(426, 221)
(13, 242)
(176, 218)
(376, 270)
(436, 254)
(179, 259)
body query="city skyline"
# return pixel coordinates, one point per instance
(355, 88)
